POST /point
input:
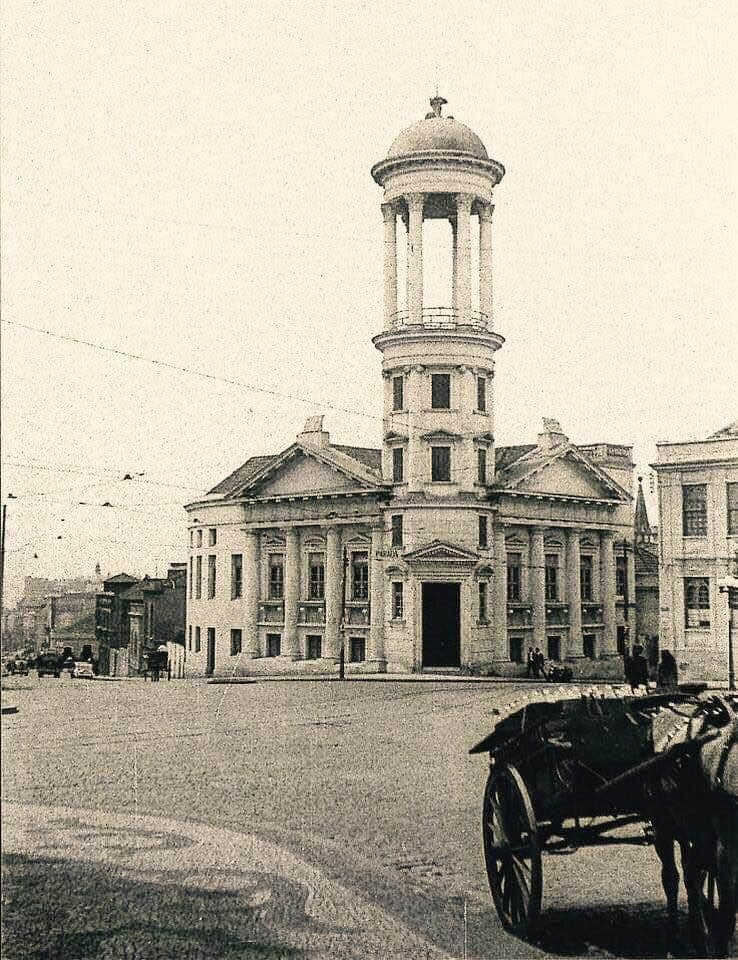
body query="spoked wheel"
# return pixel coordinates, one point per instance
(512, 851)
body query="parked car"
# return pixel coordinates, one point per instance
(68, 665)
(83, 670)
(48, 664)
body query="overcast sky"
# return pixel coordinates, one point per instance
(190, 182)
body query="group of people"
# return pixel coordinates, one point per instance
(536, 667)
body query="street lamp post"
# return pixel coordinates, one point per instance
(729, 586)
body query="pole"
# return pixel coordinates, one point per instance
(2, 568)
(342, 652)
(732, 603)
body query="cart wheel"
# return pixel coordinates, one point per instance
(512, 851)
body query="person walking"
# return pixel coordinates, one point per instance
(530, 671)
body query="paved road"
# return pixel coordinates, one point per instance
(278, 819)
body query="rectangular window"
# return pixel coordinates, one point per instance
(441, 391)
(360, 576)
(588, 646)
(199, 538)
(516, 649)
(483, 602)
(189, 637)
(211, 577)
(236, 576)
(697, 602)
(398, 465)
(440, 464)
(513, 577)
(397, 600)
(212, 537)
(197, 639)
(192, 572)
(554, 648)
(482, 394)
(585, 579)
(621, 576)
(397, 530)
(314, 644)
(621, 640)
(483, 537)
(235, 642)
(398, 393)
(357, 649)
(192, 538)
(198, 578)
(481, 465)
(274, 643)
(552, 576)
(694, 510)
(316, 577)
(276, 577)
(732, 494)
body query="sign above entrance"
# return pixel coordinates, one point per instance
(392, 553)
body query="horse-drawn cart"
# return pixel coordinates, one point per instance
(576, 772)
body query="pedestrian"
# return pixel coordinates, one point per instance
(531, 663)
(538, 664)
(638, 669)
(667, 672)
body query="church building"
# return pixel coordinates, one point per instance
(438, 550)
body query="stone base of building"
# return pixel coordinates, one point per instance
(584, 668)
(288, 666)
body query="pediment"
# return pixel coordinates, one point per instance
(568, 475)
(439, 551)
(300, 471)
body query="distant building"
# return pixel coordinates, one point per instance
(111, 624)
(698, 542)
(646, 580)
(155, 615)
(71, 622)
(43, 623)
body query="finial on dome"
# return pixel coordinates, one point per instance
(437, 103)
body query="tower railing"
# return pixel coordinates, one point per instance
(442, 318)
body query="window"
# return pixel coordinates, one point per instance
(483, 538)
(588, 646)
(235, 642)
(552, 576)
(360, 576)
(397, 600)
(313, 647)
(192, 563)
(236, 576)
(211, 577)
(621, 576)
(197, 639)
(198, 579)
(483, 602)
(276, 578)
(189, 637)
(441, 391)
(398, 393)
(513, 577)
(585, 579)
(192, 538)
(274, 643)
(694, 510)
(316, 577)
(482, 465)
(482, 394)
(398, 465)
(516, 649)
(212, 537)
(440, 464)
(357, 649)
(697, 602)
(732, 509)
(554, 648)
(397, 530)
(622, 640)
(199, 538)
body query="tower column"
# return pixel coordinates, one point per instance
(574, 593)
(389, 213)
(463, 256)
(485, 261)
(454, 255)
(538, 587)
(500, 594)
(415, 203)
(607, 591)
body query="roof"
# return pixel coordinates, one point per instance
(731, 430)
(504, 456)
(242, 474)
(642, 525)
(121, 578)
(533, 458)
(148, 585)
(646, 561)
(443, 134)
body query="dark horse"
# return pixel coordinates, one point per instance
(694, 802)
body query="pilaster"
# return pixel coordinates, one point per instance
(574, 592)
(333, 592)
(538, 586)
(251, 592)
(607, 591)
(376, 600)
(291, 592)
(415, 203)
(499, 612)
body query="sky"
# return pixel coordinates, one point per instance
(190, 182)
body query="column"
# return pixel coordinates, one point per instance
(499, 611)
(485, 260)
(390, 264)
(415, 203)
(463, 255)
(333, 592)
(417, 470)
(291, 592)
(538, 587)
(251, 593)
(607, 591)
(454, 255)
(630, 572)
(376, 598)
(574, 593)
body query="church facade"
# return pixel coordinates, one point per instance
(439, 550)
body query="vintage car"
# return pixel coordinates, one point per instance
(83, 670)
(48, 663)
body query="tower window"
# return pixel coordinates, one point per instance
(441, 391)
(552, 577)
(397, 600)
(482, 394)
(483, 536)
(316, 578)
(211, 577)
(398, 464)
(697, 601)
(514, 563)
(212, 536)
(585, 579)
(360, 576)
(440, 464)
(481, 465)
(397, 530)
(276, 577)
(694, 510)
(483, 602)
(236, 576)
(398, 393)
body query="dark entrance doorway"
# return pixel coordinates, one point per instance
(441, 625)
(210, 653)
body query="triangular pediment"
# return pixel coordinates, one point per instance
(302, 471)
(562, 473)
(440, 551)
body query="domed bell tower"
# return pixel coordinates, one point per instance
(438, 361)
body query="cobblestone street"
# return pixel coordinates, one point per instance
(277, 819)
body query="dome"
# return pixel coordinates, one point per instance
(438, 133)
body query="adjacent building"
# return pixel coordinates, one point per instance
(111, 625)
(439, 549)
(698, 548)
